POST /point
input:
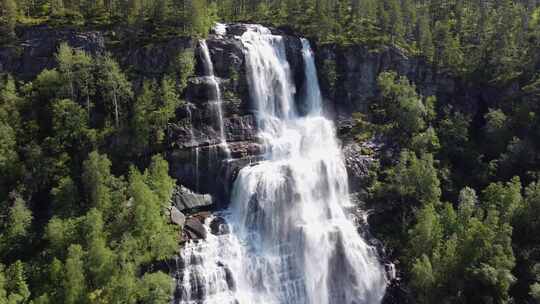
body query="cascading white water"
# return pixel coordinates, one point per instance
(290, 241)
(312, 92)
(217, 103)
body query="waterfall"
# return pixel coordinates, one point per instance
(289, 240)
(217, 103)
(312, 91)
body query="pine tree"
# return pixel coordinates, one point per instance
(16, 286)
(198, 21)
(396, 27)
(75, 67)
(66, 199)
(159, 180)
(74, 282)
(99, 256)
(424, 37)
(156, 288)
(8, 19)
(57, 7)
(142, 123)
(19, 220)
(96, 180)
(114, 88)
(161, 10)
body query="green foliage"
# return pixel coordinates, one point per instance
(142, 124)
(115, 90)
(8, 19)
(423, 279)
(13, 287)
(468, 258)
(10, 123)
(103, 233)
(148, 223)
(504, 198)
(182, 68)
(329, 74)
(156, 288)
(415, 179)
(74, 285)
(480, 249)
(70, 126)
(97, 179)
(535, 291)
(406, 114)
(159, 180)
(153, 108)
(65, 197)
(496, 129)
(453, 132)
(19, 220)
(75, 68)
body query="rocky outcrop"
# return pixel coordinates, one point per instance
(358, 163)
(197, 156)
(185, 200)
(177, 217)
(37, 47)
(357, 68)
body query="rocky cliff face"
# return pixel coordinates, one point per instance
(196, 157)
(357, 68)
(37, 46)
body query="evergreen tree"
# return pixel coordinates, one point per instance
(114, 88)
(99, 258)
(161, 10)
(156, 288)
(97, 179)
(8, 19)
(159, 180)
(148, 224)
(16, 286)
(424, 37)
(406, 112)
(74, 283)
(19, 220)
(142, 120)
(70, 126)
(66, 199)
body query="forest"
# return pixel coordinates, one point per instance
(84, 186)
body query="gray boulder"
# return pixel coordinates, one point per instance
(186, 200)
(177, 217)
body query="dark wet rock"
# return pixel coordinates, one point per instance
(194, 229)
(219, 226)
(153, 60)
(237, 29)
(293, 50)
(202, 89)
(358, 164)
(199, 160)
(227, 56)
(398, 293)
